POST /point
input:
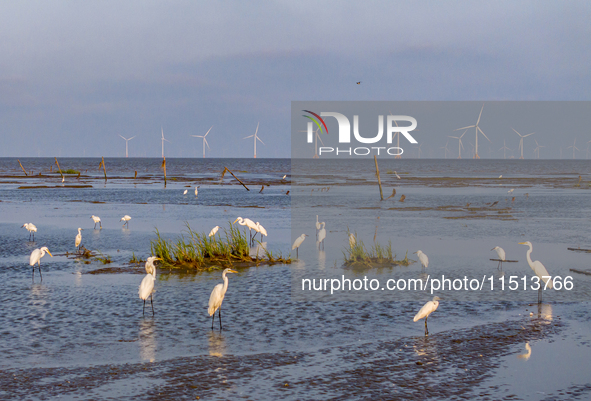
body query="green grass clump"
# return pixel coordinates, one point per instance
(199, 251)
(70, 171)
(376, 255)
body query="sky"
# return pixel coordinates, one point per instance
(76, 75)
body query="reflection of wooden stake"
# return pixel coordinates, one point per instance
(378, 174)
(228, 170)
(164, 167)
(59, 168)
(104, 168)
(24, 171)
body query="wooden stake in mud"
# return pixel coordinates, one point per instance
(164, 167)
(135, 175)
(378, 174)
(102, 164)
(228, 170)
(24, 171)
(59, 168)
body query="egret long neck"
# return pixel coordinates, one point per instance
(225, 287)
(529, 256)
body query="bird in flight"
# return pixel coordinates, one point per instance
(359, 83)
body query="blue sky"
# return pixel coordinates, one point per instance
(75, 75)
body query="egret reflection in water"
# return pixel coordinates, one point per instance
(217, 343)
(147, 340)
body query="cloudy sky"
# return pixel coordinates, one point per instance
(75, 75)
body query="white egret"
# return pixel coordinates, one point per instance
(527, 354)
(31, 229)
(196, 191)
(352, 240)
(397, 176)
(426, 310)
(96, 219)
(423, 258)
(297, 243)
(185, 192)
(501, 176)
(78, 239)
(318, 225)
(150, 264)
(284, 177)
(501, 253)
(125, 218)
(539, 269)
(147, 285)
(511, 191)
(262, 230)
(248, 223)
(214, 231)
(36, 256)
(322, 235)
(217, 297)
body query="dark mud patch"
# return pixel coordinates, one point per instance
(117, 270)
(448, 365)
(85, 201)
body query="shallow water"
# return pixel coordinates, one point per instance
(83, 335)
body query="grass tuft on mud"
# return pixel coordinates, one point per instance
(376, 256)
(199, 251)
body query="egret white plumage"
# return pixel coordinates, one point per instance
(297, 243)
(501, 253)
(527, 354)
(539, 269)
(214, 231)
(423, 258)
(248, 223)
(426, 310)
(36, 256)
(196, 191)
(217, 297)
(96, 219)
(78, 239)
(185, 192)
(318, 225)
(321, 235)
(261, 230)
(150, 264)
(31, 229)
(147, 285)
(284, 177)
(511, 191)
(352, 240)
(126, 219)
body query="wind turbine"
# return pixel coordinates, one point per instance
(460, 146)
(316, 138)
(537, 149)
(504, 148)
(420, 150)
(574, 147)
(126, 141)
(445, 148)
(255, 140)
(204, 140)
(163, 139)
(521, 141)
(477, 128)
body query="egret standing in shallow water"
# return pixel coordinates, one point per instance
(501, 253)
(126, 219)
(539, 269)
(36, 256)
(147, 284)
(248, 223)
(213, 231)
(78, 239)
(423, 258)
(217, 297)
(297, 243)
(261, 230)
(185, 192)
(318, 225)
(426, 310)
(322, 235)
(96, 219)
(31, 229)
(352, 241)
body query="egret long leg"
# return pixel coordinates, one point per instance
(144, 310)
(220, 315)
(426, 329)
(212, 319)
(152, 302)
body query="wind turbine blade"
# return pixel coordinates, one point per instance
(459, 129)
(529, 134)
(478, 128)
(208, 131)
(205, 140)
(246, 137)
(479, 116)
(166, 140)
(261, 141)
(123, 137)
(461, 144)
(517, 132)
(319, 138)
(132, 137)
(198, 136)
(463, 134)
(257, 129)
(454, 137)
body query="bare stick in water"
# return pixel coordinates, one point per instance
(378, 175)
(24, 171)
(59, 168)
(163, 166)
(228, 170)
(104, 168)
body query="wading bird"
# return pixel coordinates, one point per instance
(96, 219)
(426, 310)
(248, 223)
(185, 191)
(217, 297)
(527, 354)
(511, 191)
(423, 258)
(147, 284)
(352, 240)
(36, 256)
(214, 231)
(126, 219)
(261, 230)
(78, 239)
(318, 225)
(539, 269)
(284, 177)
(196, 191)
(501, 252)
(31, 229)
(322, 235)
(297, 243)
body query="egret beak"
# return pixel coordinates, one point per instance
(232, 271)
(158, 259)
(235, 221)
(493, 249)
(49, 253)
(522, 243)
